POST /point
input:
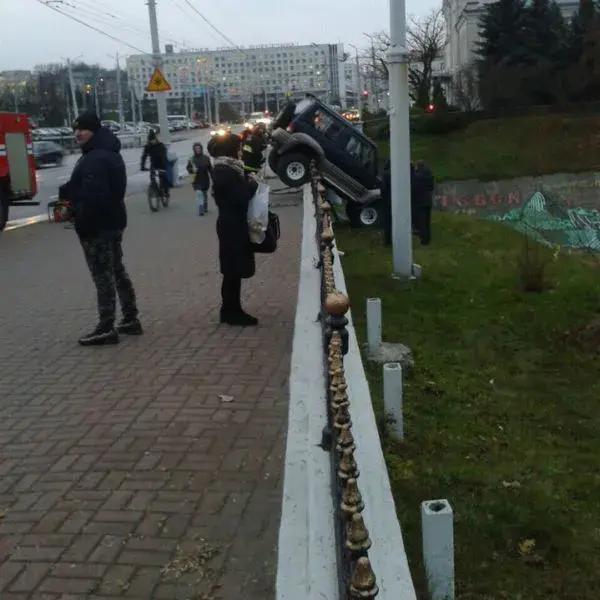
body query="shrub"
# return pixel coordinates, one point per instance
(439, 123)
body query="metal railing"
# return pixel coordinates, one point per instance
(356, 577)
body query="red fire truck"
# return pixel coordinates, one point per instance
(18, 185)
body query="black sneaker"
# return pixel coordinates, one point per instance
(130, 327)
(100, 336)
(238, 319)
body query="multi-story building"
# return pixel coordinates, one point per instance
(247, 78)
(463, 27)
(14, 79)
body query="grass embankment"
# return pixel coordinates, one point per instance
(502, 411)
(511, 147)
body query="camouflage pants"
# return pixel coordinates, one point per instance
(104, 257)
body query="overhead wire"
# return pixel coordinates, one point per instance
(48, 4)
(214, 27)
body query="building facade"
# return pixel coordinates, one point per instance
(463, 26)
(247, 78)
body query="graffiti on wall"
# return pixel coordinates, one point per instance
(555, 224)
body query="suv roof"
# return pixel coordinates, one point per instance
(336, 115)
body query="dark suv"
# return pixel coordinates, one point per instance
(347, 159)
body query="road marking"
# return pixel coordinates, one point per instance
(18, 223)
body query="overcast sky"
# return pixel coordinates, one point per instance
(34, 34)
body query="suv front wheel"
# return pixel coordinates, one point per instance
(294, 169)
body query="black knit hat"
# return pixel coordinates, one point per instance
(87, 121)
(224, 145)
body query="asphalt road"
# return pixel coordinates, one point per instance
(50, 178)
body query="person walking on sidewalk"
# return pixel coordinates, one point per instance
(232, 190)
(96, 191)
(200, 167)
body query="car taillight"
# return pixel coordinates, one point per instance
(291, 128)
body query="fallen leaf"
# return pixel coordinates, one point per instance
(511, 484)
(526, 547)
(224, 398)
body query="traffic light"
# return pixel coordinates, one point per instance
(365, 92)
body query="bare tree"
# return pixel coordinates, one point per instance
(425, 40)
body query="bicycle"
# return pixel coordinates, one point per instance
(157, 191)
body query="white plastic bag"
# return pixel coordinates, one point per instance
(258, 214)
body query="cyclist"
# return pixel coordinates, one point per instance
(157, 152)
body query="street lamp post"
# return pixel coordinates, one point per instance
(400, 142)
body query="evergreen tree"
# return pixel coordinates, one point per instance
(583, 52)
(502, 32)
(438, 97)
(546, 37)
(502, 52)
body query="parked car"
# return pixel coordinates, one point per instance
(309, 130)
(47, 153)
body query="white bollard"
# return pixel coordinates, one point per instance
(373, 323)
(392, 398)
(437, 528)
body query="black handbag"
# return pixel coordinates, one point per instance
(269, 244)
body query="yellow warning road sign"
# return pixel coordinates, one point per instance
(158, 83)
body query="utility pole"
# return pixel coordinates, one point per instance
(72, 86)
(120, 94)
(400, 142)
(217, 107)
(161, 99)
(373, 71)
(133, 115)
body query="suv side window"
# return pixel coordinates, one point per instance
(327, 125)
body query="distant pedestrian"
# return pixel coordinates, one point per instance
(200, 167)
(423, 185)
(96, 192)
(233, 190)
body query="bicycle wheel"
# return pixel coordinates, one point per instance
(153, 198)
(164, 198)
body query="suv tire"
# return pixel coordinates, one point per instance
(294, 169)
(272, 160)
(365, 216)
(3, 212)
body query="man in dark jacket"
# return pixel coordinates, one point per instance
(200, 167)
(96, 191)
(157, 152)
(422, 191)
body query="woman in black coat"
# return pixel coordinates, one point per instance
(232, 190)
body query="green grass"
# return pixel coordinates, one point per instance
(502, 412)
(512, 147)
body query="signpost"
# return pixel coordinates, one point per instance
(158, 82)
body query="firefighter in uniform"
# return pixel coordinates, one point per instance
(253, 147)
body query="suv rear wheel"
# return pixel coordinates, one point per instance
(294, 169)
(365, 215)
(3, 212)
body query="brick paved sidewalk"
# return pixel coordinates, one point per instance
(152, 469)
